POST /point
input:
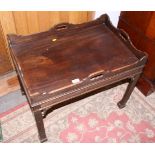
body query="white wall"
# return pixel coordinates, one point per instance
(114, 15)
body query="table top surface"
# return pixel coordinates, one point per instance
(51, 61)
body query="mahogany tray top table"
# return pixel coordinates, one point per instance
(69, 61)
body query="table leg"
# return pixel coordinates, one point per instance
(21, 86)
(40, 125)
(121, 104)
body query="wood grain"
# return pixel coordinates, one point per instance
(94, 54)
(5, 65)
(74, 17)
(64, 16)
(7, 21)
(29, 22)
(140, 27)
(43, 20)
(26, 22)
(48, 66)
(20, 20)
(54, 18)
(8, 26)
(32, 21)
(150, 32)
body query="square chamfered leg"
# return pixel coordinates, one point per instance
(40, 125)
(21, 85)
(122, 103)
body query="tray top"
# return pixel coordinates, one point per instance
(52, 60)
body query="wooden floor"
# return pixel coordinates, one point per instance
(8, 83)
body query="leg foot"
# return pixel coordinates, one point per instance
(40, 126)
(21, 85)
(121, 104)
(23, 93)
(43, 140)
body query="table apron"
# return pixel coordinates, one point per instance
(47, 103)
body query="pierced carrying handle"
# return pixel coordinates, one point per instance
(62, 26)
(124, 35)
(96, 75)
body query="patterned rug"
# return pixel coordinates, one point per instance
(95, 119)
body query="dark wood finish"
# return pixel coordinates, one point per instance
(40, 125)
(28, 22)
(5, 65)
(69, 61)
(129, 90)
(140, 25)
